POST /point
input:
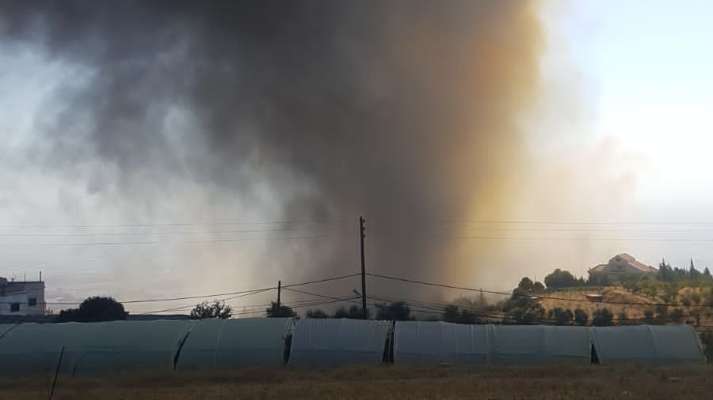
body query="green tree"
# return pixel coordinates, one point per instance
(602, 317)
(316, 314)
(559, 279)
(216, 309)
(523, 306)
(676, 315)
(396, 311)
(281, 311)
(94, 309)
(693, 273)
(353, 312)
(665, 272)
(580, 317)
(560, 316)
(453, 313)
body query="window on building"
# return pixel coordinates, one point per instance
(32, 301)
(14, 307)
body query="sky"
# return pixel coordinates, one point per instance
(645, 72)
(634, 86)
(617, 140)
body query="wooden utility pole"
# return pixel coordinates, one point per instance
(362, 235)
(279, 289)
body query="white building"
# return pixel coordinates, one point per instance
(22, 297)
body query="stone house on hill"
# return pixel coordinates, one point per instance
(619, 267)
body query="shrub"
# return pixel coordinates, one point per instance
(676, 315)
(580, 317)
(275, 311)
(602, 317)
(217, 309)
(354, 312)
(453, 313)
(94, 309)
(396, 311)
(560, 316)
(316, 314)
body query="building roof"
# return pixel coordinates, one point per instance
(623, 260)
(10, 287)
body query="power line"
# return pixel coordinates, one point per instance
(312, 294)
(233, 293)
(549, 238)
(171, 224)
(311, 304)
(157, 242)
(396, 278)
(89, 234)
(253, 291)
(334, 278)
(560, 222)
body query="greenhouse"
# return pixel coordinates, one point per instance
(330, 342)
(440, 342)
(234, 343)
(667, 344)
(85, 348)
(540, 343)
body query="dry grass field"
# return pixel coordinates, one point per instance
(386, 382)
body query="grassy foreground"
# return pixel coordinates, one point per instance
(385, 382)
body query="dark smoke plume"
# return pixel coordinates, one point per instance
(403, 111)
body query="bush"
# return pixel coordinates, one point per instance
(602, 317)
(281, 311)
(580, 317)
(676, 315)
(354, 312)
(316, 314)
(94, 309)
(397, 311)
(217, 309)
(561, 316)
(622, 318)
(453, 313)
